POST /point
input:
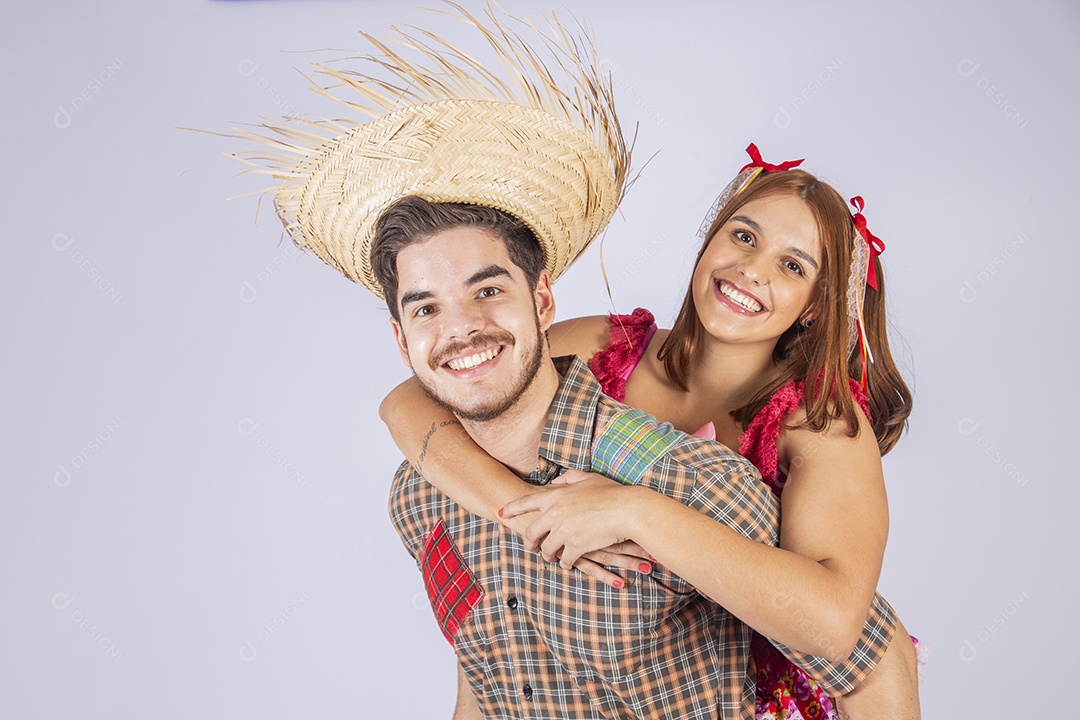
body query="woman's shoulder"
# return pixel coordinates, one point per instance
(586, 336)
(582, 336)
(789, 402)
(779, 420)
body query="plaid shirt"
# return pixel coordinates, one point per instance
(538, 641)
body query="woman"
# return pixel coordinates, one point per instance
(764, 354)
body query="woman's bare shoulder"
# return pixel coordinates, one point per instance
(798, 444)
(583, 336)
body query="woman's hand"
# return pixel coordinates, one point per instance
(625, 556)
(586, 513)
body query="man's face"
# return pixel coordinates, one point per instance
(471, 328)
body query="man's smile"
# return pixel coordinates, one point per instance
(467, 362)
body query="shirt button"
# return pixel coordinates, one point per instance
(512, 603)
(528, 691)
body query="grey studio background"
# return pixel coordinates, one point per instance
(193, 515)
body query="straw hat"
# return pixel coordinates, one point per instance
(452, 130)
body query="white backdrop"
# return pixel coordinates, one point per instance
(194, 525)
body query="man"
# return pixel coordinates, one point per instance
(470, 302)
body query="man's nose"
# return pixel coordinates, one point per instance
(463, 320)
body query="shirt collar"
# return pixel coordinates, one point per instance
(567, 438)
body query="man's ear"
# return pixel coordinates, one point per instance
(399, 336)
(545, 301)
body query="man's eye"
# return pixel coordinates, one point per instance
(424, 310)
(489, 292)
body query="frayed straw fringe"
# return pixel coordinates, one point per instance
(299, 152)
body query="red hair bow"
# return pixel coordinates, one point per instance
(756, 161)
(877, 245)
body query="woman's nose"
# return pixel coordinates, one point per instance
(754, 268)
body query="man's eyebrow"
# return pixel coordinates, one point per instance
(491, 271)
(480, 276)
(416, 296)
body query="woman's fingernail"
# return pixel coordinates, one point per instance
(618, 584)
(500, 512)
(652, 558)
(645, 568)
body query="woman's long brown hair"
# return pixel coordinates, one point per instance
(817, 355)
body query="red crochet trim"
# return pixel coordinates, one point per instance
(758, 443)
(628, 332)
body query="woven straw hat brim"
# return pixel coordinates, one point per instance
(535, 135)
(525, 162)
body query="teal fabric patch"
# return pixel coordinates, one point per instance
(631, 444)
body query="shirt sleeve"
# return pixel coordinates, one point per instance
(632, 448)
(729, 490)
(405, 512)
(841, 678)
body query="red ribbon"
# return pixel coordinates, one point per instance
(877, 245)
(756, 161)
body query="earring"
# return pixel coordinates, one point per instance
(807, 322)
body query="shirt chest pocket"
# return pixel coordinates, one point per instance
(451, 586)
(592, 630)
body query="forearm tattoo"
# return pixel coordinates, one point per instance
(435, 427)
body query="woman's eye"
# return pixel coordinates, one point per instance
(793, 266)
(744, 237)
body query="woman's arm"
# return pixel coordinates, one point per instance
(437, 446)
(811, 594)
(835, 513)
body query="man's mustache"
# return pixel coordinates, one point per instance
(478, 341)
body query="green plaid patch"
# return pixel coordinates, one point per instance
(630, 445)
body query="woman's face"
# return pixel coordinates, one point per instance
(758, 273)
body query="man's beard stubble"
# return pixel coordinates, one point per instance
(515, 390)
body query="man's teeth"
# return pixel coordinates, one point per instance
(739, 298)
(473, 360)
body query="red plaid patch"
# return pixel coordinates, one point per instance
(451, 586)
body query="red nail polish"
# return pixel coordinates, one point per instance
(645, 567)
(500, 512)
(618, 584)
(652, 558)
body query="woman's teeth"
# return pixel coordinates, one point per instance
(472, 361)
(739, 298)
